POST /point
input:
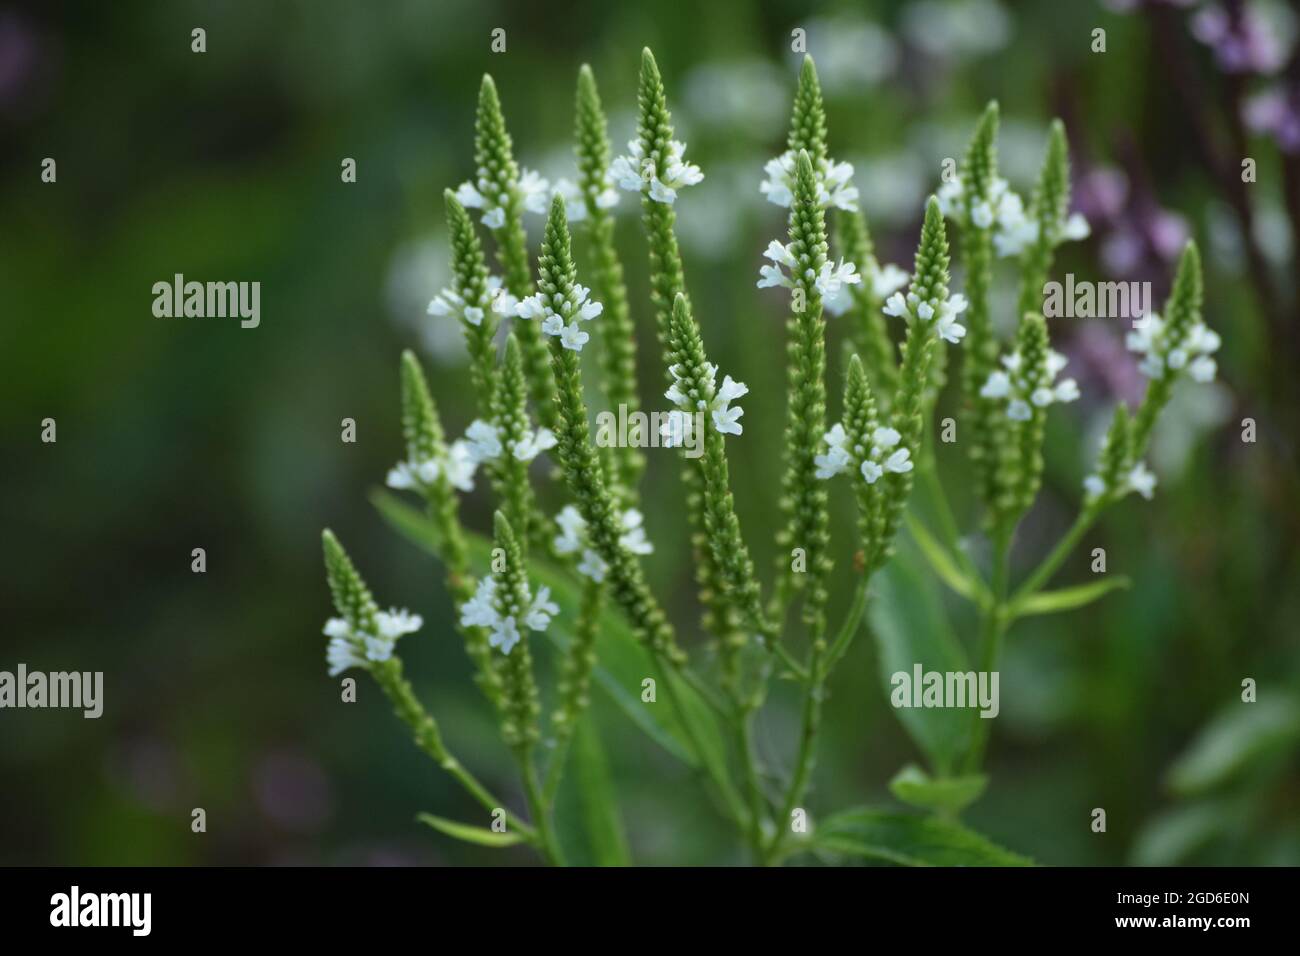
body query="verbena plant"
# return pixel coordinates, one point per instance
(575, 575)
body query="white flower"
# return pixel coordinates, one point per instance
(460, 466)
(883, 456)
(680, 426)
(556, 312)
(532, 190)
(942, 313)
(639, 173)
(572, 530)
(480, 610)
(484, 441)
(348, 648)
(832, 278)
(504, 634)
(1151, 338)
(593, 566)
(573, 538)
(533, 444)
(457, 465)
(1138, 478)
(633, 538)
(1142, 481)
(834, 182)
(541, 610)
(1025, 388)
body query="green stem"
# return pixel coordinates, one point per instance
(993, 625)
(758, 819)
(538, 809)
(1043, 573)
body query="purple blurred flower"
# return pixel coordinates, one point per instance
(1241, 41)
(292, 790)
(1138, 238)
(1100, 363)
(1275, 112)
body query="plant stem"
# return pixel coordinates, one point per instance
(1043, 573)
(992, 627)
(758, 820)
(538, 809)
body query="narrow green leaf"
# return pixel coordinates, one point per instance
(943, 563)
(1240, 738)
(914, 786)
(910, 627)
(470, 834)
(910, 840)
(1067, 599)
(589, 806)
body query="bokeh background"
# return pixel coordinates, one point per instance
(176, 434)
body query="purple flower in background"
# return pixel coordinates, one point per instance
(1101, 364)
(1138, 237)
(1240, 39)
(1275, 112)
(293, 791)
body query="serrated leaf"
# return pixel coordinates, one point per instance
(910, 840)
(470, 834)
(909, 627)
(1066, 599)
(915, 787)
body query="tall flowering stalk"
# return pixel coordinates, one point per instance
(618, 337)
(590, 552)
(503, 194)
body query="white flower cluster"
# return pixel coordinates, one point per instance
(533, 192)
(482, 611)
(1151, 339)
(1004, 211)
(829, 281)
(349, 648)
(637, 172)
(883, 456)
(1138, 479)
(451, 302)
(944, 315)
(573, 538)
(560, 314)
(1024, 387)
(575, 204)
(834, 182)
(482, 442)
(885, 281)
(680, 427)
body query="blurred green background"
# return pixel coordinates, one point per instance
(176, 434)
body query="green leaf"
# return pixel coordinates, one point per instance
(910, 840)
(1242, 737)
(1066, 599)
(943, 563)
(914, 786)
(621, 661)
(470, 834)
(588, 807)
(910, 627)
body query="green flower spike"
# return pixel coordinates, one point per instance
(1021, 469)
(519, 728)
(470, 285)
(930, 287)
(581, 464)
(618, 337)
(868, 333)
(498, 186)
(1182, 313)
(1050, 202)
(860, 422)
(425, 442)
(1113, 462)
(808, 115)
(980, 350)
(513, 429)
(695, 381)
(805, 499)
